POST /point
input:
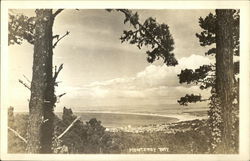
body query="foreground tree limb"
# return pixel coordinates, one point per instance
(67, 33)
(26, 78)
(57, 72)
(57, 12)
(24, 84)
(68, 128)
(18, 135)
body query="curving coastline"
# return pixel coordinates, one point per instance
(180, 117)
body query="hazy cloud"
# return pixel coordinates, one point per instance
(155, 81)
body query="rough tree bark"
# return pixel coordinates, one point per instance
(42, 97)
(225, 73)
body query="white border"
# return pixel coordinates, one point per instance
(244, 74)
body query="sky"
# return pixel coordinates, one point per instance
(100, 71)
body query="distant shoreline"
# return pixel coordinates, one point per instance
(185, 116)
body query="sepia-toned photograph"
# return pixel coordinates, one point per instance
(122, 80)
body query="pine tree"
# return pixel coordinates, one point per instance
(207, 76)
(38, 31)
(225, 74)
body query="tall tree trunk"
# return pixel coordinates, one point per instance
(42, 86)
(225, 73)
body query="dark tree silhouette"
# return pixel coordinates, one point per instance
(151, 34)
(207, 75)
(38, 31)
(225, 73)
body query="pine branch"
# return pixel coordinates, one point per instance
(24, 84)
(148, 32)
(18, 135)
(59, 96)
(67, 33)
(57, 12)
(56, 36)
(57, 72)
(190, 98)
(68, 128)
(26, 78)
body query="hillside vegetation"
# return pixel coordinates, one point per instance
(186, 137)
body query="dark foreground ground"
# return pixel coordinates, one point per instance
(185, 137)
(177, 138)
